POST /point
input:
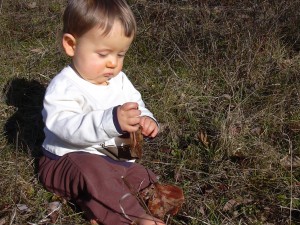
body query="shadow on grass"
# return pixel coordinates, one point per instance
(25, 127)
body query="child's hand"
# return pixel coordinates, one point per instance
(149, 126)
(128, 116)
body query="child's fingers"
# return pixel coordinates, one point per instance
(134, 121)
(142, 121)
(131, 128)
(133, 113)
(129, 106)
(154, 133)
(149, 127)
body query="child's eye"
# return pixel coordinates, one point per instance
(102, 55)
(121, 55)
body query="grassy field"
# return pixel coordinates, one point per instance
(222, 78)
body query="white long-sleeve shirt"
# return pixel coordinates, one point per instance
(79, 115)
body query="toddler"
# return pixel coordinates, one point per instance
(89, 108)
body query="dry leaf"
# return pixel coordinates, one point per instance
(202, 211)
(136, 143)
(178, 175)
(288, 162)
(230, 205)
(53, 209)
(37, 50)
(294, 126)
(4, 220)
(256, 131)
(163, 199)
(235, 129)
(202, 136)
(233, 203)
(31, 5)
(227, 96)
(23, 208)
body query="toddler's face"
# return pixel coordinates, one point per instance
(98, 58)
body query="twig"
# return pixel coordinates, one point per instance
(291, 177)
(283, 207)
(44, 220)
(121, 207)
(13, 216)
(16, 172)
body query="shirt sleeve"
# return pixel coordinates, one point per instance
(133, 95)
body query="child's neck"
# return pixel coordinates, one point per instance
(105, 83)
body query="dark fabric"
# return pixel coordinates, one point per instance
(50, 154)
(115, 120)
(98, 184)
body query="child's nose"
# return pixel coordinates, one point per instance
(111, 63)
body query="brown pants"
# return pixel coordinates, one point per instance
(98, 184)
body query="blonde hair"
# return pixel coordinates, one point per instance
(82, 15)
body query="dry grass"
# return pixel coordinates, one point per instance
(222, 77)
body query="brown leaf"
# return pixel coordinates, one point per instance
(235, 129)
(227, 96)
(202, 211)
(256, 131)
(166, 200)
(23, 208)
(233, 203)
(37, 50)
(178, 175)
(202, 136)
(4, 220)
(294, 126)
(288, 161)
(230, 205)
(31, 5)
(136, 143)
(53, 210)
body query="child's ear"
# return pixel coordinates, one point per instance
(69, 44)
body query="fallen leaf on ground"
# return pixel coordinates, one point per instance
(288, 161)
(53, 210)
(37, 50)
(233, 203)
(163, 199)
(31, 5)
(202, 136)
(23, 208)
(4, 221)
